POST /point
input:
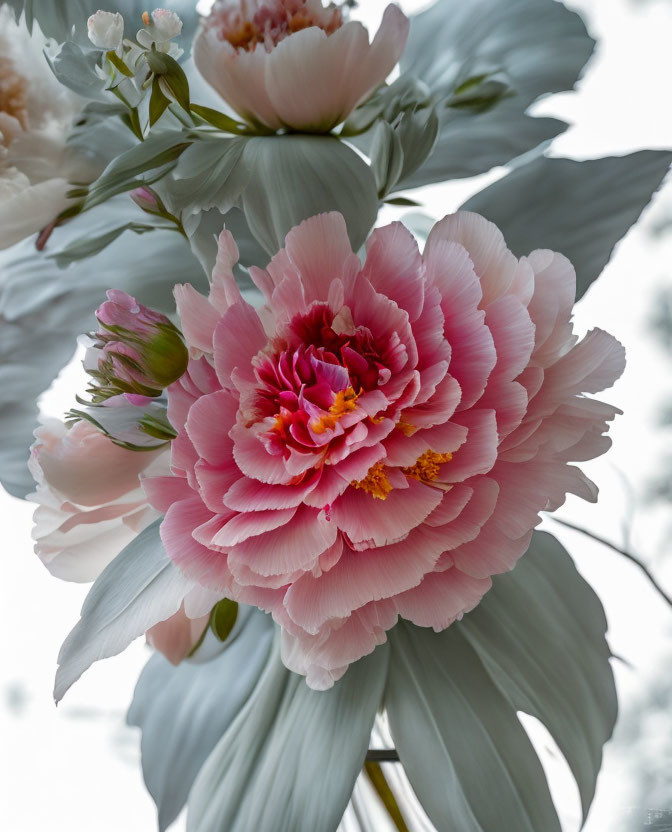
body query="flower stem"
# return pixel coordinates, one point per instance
(624, 553)
(375, 774)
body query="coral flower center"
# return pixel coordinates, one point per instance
(375, 482)
(345, 401)
(427, 466)
(249, 23)
(13, 91)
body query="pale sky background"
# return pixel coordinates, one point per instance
(76, 768)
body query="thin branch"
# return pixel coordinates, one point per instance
(620, 551)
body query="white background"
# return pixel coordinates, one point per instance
(76, 768)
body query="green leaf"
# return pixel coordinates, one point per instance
(171, 76)
(158, 150)
(219, 120)
(536, 643)
(296, 176)
(139, 588)
(540, 632)
(199, 700)
(462, 747)
(403, 201)
(89, 246)
(118, 63)
(581, 209)
(539, 45)
(387, 157)
(208, 175)
(157, 103)
(223, 618)
(388, 102)
(290, 759)
(76, 70)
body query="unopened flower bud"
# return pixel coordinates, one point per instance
(146, 199)
(106, 29)
(140, 350)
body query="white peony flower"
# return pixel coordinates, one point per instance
(106, 29)
(35, 117)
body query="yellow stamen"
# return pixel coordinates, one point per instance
(427, 466)
(406, 428)
(375, 482)
(345, 401)
(146, 18)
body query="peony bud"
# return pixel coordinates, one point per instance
(146, 199)
(139, 349)
(106, 29)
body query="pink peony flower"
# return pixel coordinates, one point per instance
(90, 504)
(295, 63)
(377, 441)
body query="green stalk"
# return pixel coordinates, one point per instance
(375, 774)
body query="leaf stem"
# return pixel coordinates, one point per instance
(624, 552)
(375, 774)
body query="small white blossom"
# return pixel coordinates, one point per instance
(106, 29)
(164, 24)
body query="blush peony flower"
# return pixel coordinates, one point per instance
(35, 116)
(295, 63)
(377, 441)
(90, 503)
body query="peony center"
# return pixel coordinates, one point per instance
(426, 469)
(345, 401)
(375, 482)
(13, 99)
(248, 23)
(427, 466)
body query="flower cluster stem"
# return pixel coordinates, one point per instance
(375, 774)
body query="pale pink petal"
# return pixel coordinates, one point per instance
(441, 598)
(239, 336)
(369, 522)
(394, 267)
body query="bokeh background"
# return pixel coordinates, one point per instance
(76, 768)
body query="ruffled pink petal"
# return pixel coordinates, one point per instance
(208, 424)
(251, 495)
(196, 561)
(394, 267)
(239, 336)
(513, 334)
(162, 492)
(370, 522)
(177, 636)
(551, 305)
(494, 264)
(360, 577)
(319, 250)
(441, 598)
(251, 524)
(479, 452)
(294, 546)
(198, 317)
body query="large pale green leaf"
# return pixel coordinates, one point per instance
(294, 177)
(290, 760)
(581, 209)
(183, 711)
(466, 754)
(538, 46)
(66, 19)
(139, 588)
(536, 643)
(43, 309)
(541, 634)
